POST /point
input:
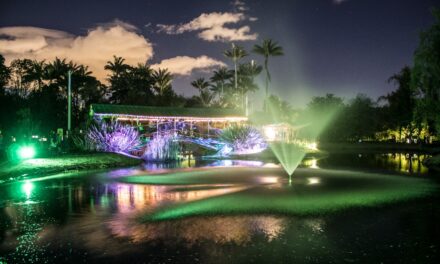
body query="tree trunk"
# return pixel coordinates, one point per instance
(267, 84)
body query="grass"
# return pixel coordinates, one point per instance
(44, 166)
(336, 190)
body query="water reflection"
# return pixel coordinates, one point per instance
(135, 197)
(219, 229)
(407, 163)
(311, 163)
(100, 217)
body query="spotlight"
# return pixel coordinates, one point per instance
(26, 152)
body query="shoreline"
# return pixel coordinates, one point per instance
(38, 167)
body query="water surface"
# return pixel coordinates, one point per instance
(97, 218)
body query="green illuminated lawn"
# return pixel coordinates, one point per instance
(313, 192)
(44, 166)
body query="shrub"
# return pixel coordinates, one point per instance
(108, 137)
(243, 139)
(162, 147)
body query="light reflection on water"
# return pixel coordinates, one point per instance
(136, 197)
(406, 163)
(34, 214)
(219, 229)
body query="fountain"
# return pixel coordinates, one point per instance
(291, 149)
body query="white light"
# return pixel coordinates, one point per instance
(312, 181)
(270, 165)
(312, 146)
(314, 164)
(270, 133)
(187, 118)
(269, 180)
(27, 188)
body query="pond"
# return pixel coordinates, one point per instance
(356, 207)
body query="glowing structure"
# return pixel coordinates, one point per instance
(112, 137)
(243, 139)
(198, 126)
(163, 147)
(185, 120)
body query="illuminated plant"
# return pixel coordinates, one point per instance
(162, 147)
(243, 139)
(109, 137)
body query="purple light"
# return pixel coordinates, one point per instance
(112, 137)
(162, 147)
(243, 140)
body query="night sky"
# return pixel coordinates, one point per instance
(341, 47)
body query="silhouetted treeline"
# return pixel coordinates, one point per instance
(33, 95)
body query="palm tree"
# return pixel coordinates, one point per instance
(35, 74)
(220, 77)
(162, 80)
(205, 96)
(267, 49)
(200, 84)
(57, 71)
(248, 71)
(5, 74)
(236, 53)
(117, 66)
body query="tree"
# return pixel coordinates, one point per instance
(200, 84)
(118, 79)
(4, 75)
(5, 103)
(130, 85)
(236, 53)
(205, 96)
(35, 74)
(117, 67)
(140, 83)
(219, 79)
(280, 110)
(162, 81)
(360, 117)
(18, 84)
(426, 74)
(267, 49)
(247, 73)
(319, 113)
(401, 102)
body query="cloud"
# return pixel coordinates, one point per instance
(97, 47)
(240, 5)
(338, 2)
(204, 21)
(212, 27)
(185, 65)
(93, 49)
(227, 34)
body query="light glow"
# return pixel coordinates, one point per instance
(27, 188)
(313, 181)
(312, 146)
(26, 152)
(270, 133)
(126, 117)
